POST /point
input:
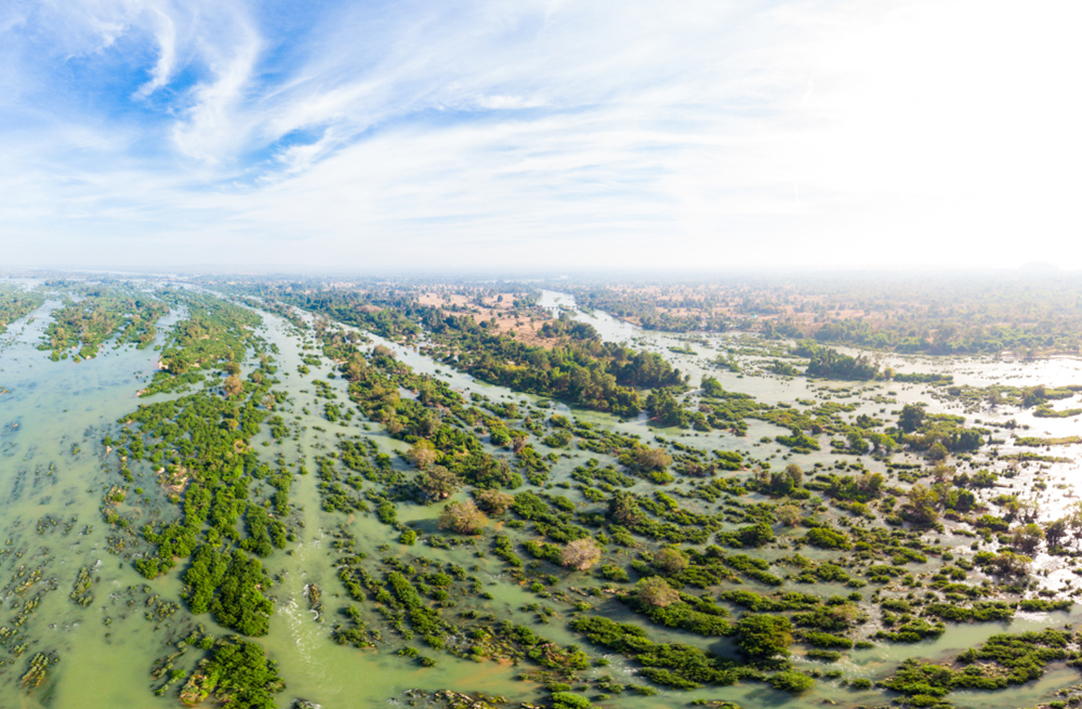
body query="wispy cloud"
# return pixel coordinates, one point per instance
(165, 32)
(629, 133)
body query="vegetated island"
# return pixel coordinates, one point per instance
(728, 514)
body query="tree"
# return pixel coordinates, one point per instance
(795, 473)
(755, 535)
(1055, 532)
(881, 442)
(911, 418)
(762, 637)
(922, 504)
(670, 560)
(233, 385)
(422, 454)
(463, 518)
(656, 591)
(942, 473)
(580, 554)
(1027, 538)
(712, 387)
(493, 502)
(624, 509)
(665, 408)
(938, 451)
(437, 483)
(1074, 520)
(857, 443)
(652, 458)
(789, 515)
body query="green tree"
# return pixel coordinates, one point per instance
(1027, 538)
(624, 509)
(712, 387)
(921, 504)
(763, 637)
(911, 418)
(437, 483)
(670, 560)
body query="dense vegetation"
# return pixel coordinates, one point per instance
(837, 527)
(16, 303)
(101, 313)
(200, 444)
(1021, 312)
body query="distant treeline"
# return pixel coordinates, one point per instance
(1025, 312)
(599, 375)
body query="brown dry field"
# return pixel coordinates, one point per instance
(522, 327)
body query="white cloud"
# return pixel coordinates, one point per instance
(214, 129)
(166, 35)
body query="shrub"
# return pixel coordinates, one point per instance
(463, 518)
(670, 560)
(656, 591)
(764, 636)
(567, 700)
(791, 681)
(826, 538)
(614, 573)
(437, 483)
(580, 554)
(493, 502)
(652, 458)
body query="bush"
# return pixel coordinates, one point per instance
(791, 681)
(614, 573)
(670, 560)
(463, 518)
(493, 502)
(567, 700)
(764, 636)
(580, 554)
(656, 591)
(826, 538)
(652, 458)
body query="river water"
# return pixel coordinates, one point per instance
(54, 473)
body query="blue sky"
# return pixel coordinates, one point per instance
(494, 134)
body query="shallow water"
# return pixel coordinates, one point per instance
(53, 468)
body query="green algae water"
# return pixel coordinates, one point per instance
(82, 628)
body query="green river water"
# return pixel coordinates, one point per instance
(54, 472)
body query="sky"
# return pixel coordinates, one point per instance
(491, 134)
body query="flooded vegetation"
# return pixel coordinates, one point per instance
(270, 494)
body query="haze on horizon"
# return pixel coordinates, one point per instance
(705, 135)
